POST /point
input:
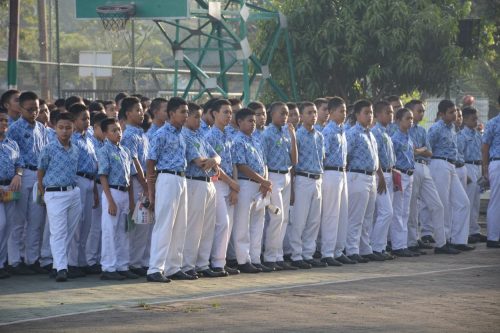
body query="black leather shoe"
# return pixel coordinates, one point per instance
(21, 269)
(272, 265)
(287, 257)
(424, 246)
(141, 271)
(331, 262)
(416, 250)
(384, 255)
(209, 273)
(231, 270)
(157, 277)
(4, 274)
(94, 269)
(62, 275)
(403, 253)
(479, 238)
(472, 240)
(317, 255)
(462, 247)
(301, 264)
(493, 244)
(346, 261)
(128, 274)
(446, 249)
(264, 268)
(286, 266)
(233, 263)
(38, 269)
(358, 258)
(192, 272)
(180, 275)
(75, 272)
(373, 257)
(112, 276)
(249, 268)
(315, 263)
(427, 239)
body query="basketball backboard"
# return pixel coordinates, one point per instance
(144, 9)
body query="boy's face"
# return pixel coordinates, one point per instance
(82, 122)
(29, 110)
(64, 129)
(208, 118)
(136, 115)
(450, 115)
(13, 104)
(178, 118)
(471, 121)
(418, 113)
(406, 122)
(338, 115)
(309, 115)
(161, 114)
(193, 120)
(114, 133)
(365, 116)
(111, 110)
(396, 105)
(323, 113)
(459, 120)
(386, 116)
(223, 116)
(43, 114)
(260, 117)
(4, 123)
(247, 125)
(294, 117)
(280, 115)
(98, 132)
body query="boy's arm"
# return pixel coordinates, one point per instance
(40, 174)
(105, 188)
(485, 153)
(293, 144)
(131, 203)
(140, 176)
(151, 172)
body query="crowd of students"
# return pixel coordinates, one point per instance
(236, 189)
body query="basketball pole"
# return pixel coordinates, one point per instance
(13, 44)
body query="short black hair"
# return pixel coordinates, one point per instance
(96, 106)
(380, 106)
(255, 105)
(97, 117)
(144, 98)
(174, 103)
(244, 113)
(53, 116)
(335, 102)
(276, 105)
(304, 105)
(107, 122)
(401, 113)
(146, 122)
(444, 105)
(469, 111)
(120, 96)
(359, 105)
(59, 102)
(291, 105)
(72, 100)
(64, 116)
(106, 103)
(126, 106)
(393, 98)
(6, 96)
(411, 104)
(193, 107)
(27, 96)
(76, 109)
(156, 104)
(234, 101)
(210, 104)
(216, 106)
(319, 101)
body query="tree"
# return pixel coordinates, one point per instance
(357, 48)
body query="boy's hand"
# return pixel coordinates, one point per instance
(233, 198)
(234, 186)
(264, 190)
(291, 129)
(96, 199)
(151, 197)
(15, 184)
(209, 163)
(41, 190)
(382, 186)
(112, 209)
(267, 184)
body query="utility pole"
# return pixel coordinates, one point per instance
(13, 44)
(42, 38)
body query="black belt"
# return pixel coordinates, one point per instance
(494, 159)
(369, 173)
(205, 179)
(407, 172)
(177, 173)
(245, 178)
(459, 164)
(119, 188)
(31, 167)
(422, 162)
(449, 160)
(279, 171)
(341, 169)
(85, 175)
(98, 181)
(5, 182)
(308, 175)
(386, 170)
(59, 188)
(474, 162)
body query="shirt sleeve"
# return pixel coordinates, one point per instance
(461, 142)
(488, 133)
(44, 159)
(238, 153)
(103, 162)
(157, 144)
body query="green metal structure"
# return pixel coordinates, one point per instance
(224, 28)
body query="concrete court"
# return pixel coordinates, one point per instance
(432, 293)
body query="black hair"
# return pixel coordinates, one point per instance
(244, 113)
(146, 122)
(305, 104)
(76, 109)
(3, 111)
(72, 100)
(86, 101)
(414, 102)
(6, 96)
(144, 98)
(155, 105)
(210, 104)
(193, 107)
(64, 116)
(392, 98)
(96, 106)
(234, 101)
(444, 105)
(290, 106)
(256, 105)
(218, 104)
(469, 111)
(276, 105)
(42, 102)
(359, 105)
(401, 113)
(335, 102)
(120, 96)
(54, 115)
(107, 122)
(126, 106)
(174, 103)
(59, 102)
(97, 117)
(380, 106)
(27, 96)
(106, 103)
(320, 101)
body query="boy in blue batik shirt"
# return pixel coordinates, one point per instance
(57, 169)
(260, 120)
(158, 111)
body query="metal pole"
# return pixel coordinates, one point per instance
(58, 50)
(134, 72)
(13, 44)
(42, 37)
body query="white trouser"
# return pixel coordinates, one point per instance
(384, 214)
(7, 216)
(306, 217)
(287, 248)
(45, 252)
(93, 247)
(169, 230)
(493, 214)
(362, 197)
(200, 225)
(333, 213)
(248, 225)
(27, 229)
(224, 213)
(276, 228)
(401, 206)
(114, 254)
(139, 237)
(425, 205)
(63, 209)
(473, 191)
(462, 176)
(76, 256)
(454, 199)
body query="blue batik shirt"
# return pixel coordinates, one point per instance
(419, 138)
(115, 162)
(385, 147)
(204, 127)
(392, 128)
(87, 161)
(11, 120)
(443, 140)
(245, 150)
(491, 136)
(60, 164)
(30, 139)
(137, 143)
(152, 131)
(257, 135)
(335, 145)
(277, 146)
(197, 147)
(97, 143)
(10, 158)
(51, 134)
(469, 144)
(168, 149)
(311, 151)
(318, 127)
(403, 148)
(231, 132)
(362, 150)
(220, 142)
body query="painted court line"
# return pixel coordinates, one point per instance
(257, 290)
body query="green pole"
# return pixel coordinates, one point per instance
(246, 78)
(13, 44)
(291, 65)
(176, 62)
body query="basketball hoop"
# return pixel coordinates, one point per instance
(115, 17)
